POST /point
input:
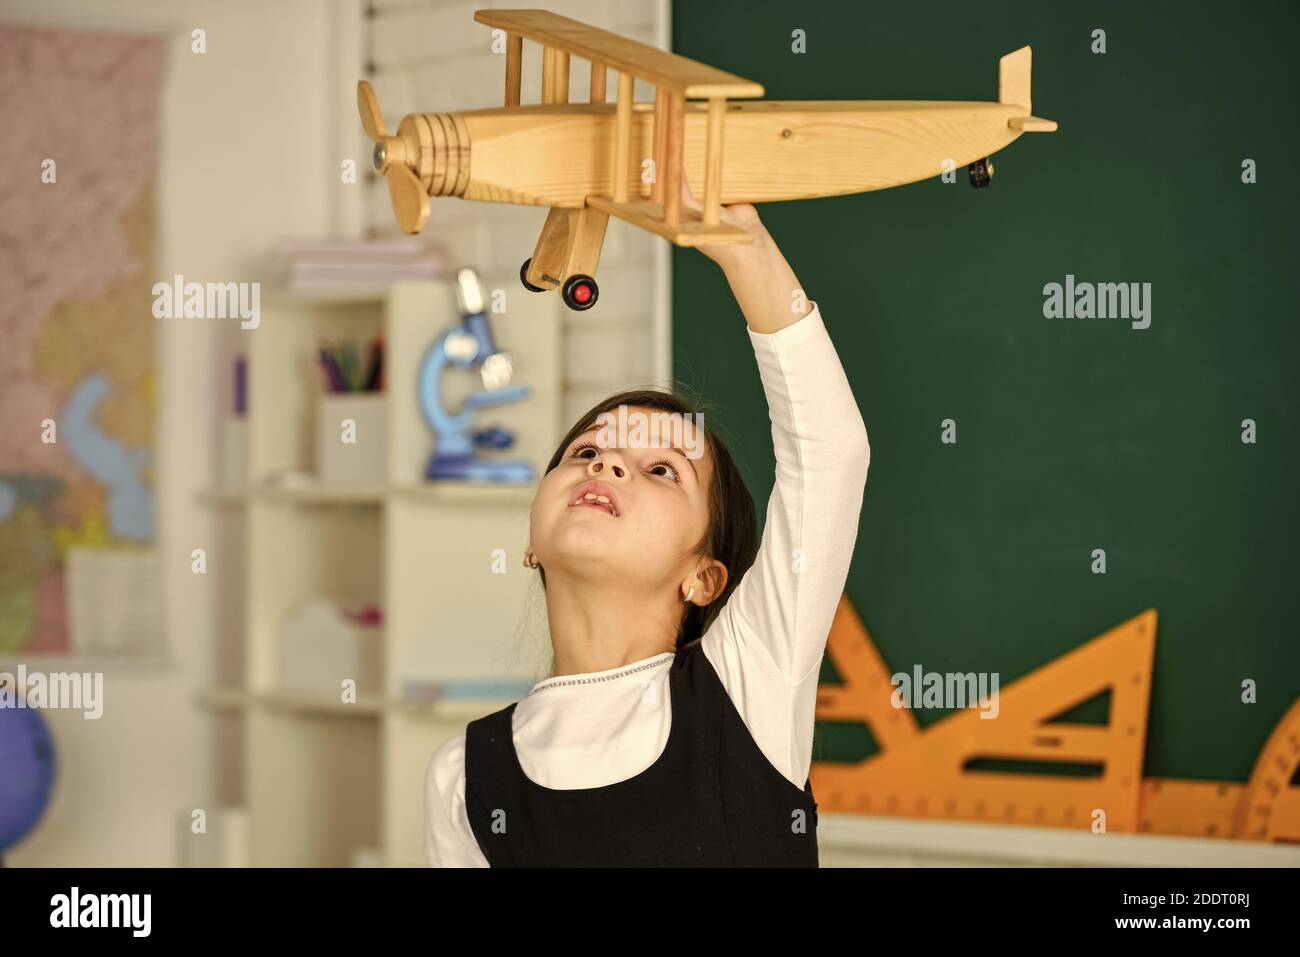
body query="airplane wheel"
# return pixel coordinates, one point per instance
(981, 172)
(580, 292)
(523, 276)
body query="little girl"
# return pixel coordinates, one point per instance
(677, 727)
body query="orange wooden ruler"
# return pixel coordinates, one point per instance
(929, 773)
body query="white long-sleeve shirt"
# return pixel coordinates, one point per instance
(766, 644)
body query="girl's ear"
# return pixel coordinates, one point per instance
(710, 579)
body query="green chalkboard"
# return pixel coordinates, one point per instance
(1072, 434)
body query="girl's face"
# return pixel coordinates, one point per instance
(655, 506)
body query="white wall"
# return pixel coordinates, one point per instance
(249, 145)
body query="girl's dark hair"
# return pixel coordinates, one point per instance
(732, 535)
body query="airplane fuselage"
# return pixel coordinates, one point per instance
(558, 155)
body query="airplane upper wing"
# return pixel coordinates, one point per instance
(690, 78)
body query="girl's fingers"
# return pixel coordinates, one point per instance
(688, 197)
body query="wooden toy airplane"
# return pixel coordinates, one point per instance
(578, 158)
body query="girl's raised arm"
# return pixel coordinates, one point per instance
(768, 641)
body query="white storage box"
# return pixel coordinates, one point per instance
(224, 844)
(352, 439)
(320, 648)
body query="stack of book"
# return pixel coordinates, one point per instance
(316, 264)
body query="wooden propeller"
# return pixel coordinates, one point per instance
(391, 158)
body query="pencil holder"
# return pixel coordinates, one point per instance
(352, 439)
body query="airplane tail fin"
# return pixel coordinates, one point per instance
(1013, 89)
(1013, 78)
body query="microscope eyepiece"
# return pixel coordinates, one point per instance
(469, 294)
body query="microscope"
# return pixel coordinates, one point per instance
(469, 345)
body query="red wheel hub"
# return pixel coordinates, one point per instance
(581, 292)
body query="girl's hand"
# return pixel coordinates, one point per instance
(763, 283)
(744, 215)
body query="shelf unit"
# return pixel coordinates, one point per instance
(320, 779)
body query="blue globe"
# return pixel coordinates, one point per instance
(26, 772)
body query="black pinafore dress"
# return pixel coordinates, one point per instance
(711, 799)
